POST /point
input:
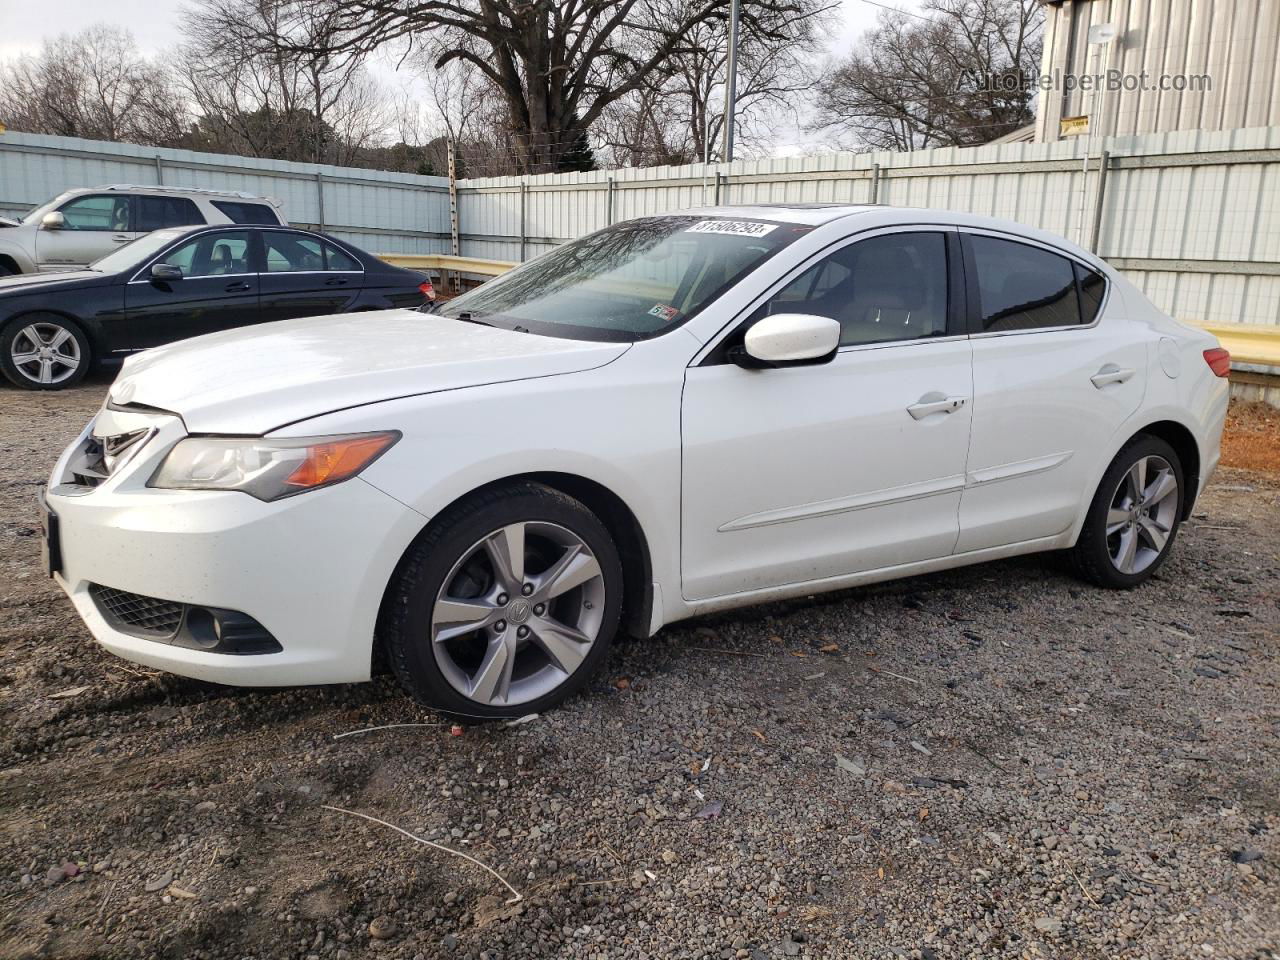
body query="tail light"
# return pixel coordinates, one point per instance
(428, 289)
(1219, 361)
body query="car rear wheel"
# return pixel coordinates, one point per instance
(506, 606)
(44, 352)
(1134, 517)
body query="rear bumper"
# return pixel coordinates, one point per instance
(310, 569)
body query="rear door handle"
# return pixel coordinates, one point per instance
(121, 238)
(932, 403)
(335, 282)
(1110, 374)
(236, 287)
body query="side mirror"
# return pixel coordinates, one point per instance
(165, 271)
(785, 339)
(53, 220)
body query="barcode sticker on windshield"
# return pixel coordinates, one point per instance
(737, 228)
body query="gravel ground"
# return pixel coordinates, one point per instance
(997, 761)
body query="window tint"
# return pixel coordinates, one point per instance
(1092, 287)
(336, 259)
(892, 287)
(238, 212)
(1021, 287)
(212, 255)
(292, 253)
(156, 213)
(97, 213)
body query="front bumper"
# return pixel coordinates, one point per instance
(310, 569)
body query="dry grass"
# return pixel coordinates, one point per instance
(1251, 439)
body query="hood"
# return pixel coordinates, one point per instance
(29, 282)
(254, 379)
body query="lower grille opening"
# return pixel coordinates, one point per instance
(135, 614)
(213, 629)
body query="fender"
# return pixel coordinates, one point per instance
(18, 255)
(1116, 442)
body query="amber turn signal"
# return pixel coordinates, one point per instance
(338, 459)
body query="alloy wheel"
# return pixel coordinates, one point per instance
(518, 613)
(45, 353)
(1142, 514)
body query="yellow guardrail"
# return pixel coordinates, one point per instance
(441, 261)
(1248, 342)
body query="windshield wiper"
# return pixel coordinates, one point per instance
(466, 316)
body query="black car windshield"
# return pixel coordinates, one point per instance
(135, 254)
(631, 281)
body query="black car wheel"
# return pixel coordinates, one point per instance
(43, 351)
(506, 606)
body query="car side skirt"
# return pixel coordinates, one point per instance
(791, 590)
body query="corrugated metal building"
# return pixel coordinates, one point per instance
(1233, 42)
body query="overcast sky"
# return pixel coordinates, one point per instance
(154, 24)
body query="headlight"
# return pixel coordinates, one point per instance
(268, 469)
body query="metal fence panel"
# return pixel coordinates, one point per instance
(1192, 217)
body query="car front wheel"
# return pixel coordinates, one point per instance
(43, 352)
(506, 605)
(1134, 517)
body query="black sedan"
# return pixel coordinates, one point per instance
(182, 282)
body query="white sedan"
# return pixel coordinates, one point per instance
(674, 415)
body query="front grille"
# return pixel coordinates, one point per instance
(133, 613)
(100, 457)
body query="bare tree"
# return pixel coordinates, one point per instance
(556, 65)
(318, 105)
(466, 110)
(676, 116)
(92, 84)
(939, 80)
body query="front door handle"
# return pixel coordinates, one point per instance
(121, 238)
(236, 287)
(932, 403)
(1110, 374)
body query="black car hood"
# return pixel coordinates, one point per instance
(42, 282)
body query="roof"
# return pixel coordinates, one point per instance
(198, 191)
(810, 214)
(818, 214)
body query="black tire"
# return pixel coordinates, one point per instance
(26, 376)
(405, 624)
(1091, 558)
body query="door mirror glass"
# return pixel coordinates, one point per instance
(787, 338)
(53, 221)
(165, 271)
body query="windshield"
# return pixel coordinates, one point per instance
(35, 215)
(135, 253)
(627, 282)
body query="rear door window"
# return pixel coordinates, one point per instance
(293, 253)
(1021, 287)
(340, 260)
(241, 212)
(156, 213)
(299, 253)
